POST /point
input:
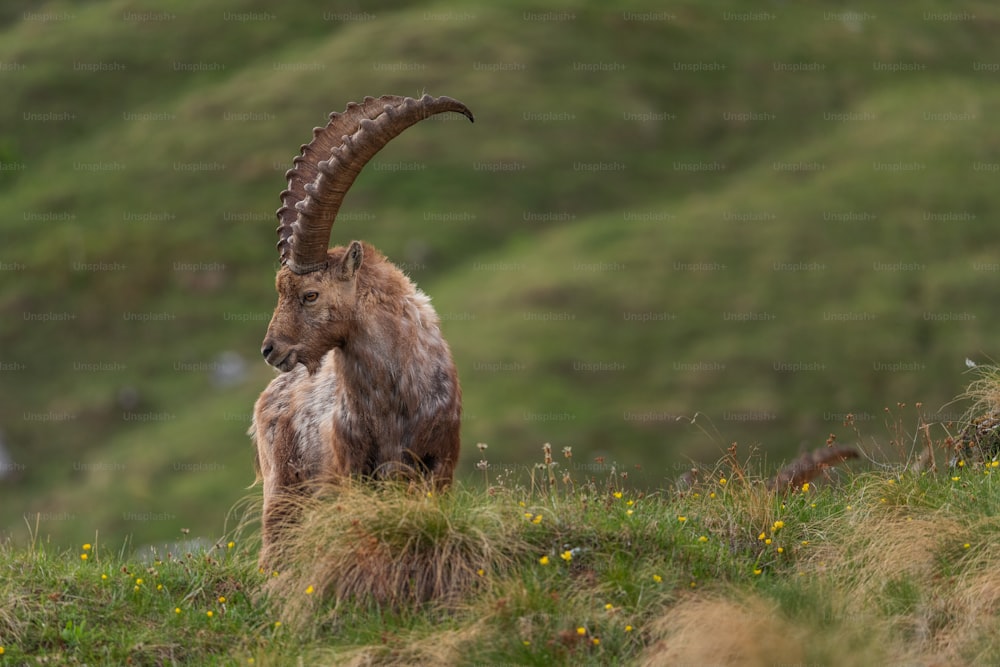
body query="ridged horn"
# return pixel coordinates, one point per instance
(327, 166)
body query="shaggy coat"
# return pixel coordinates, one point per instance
(369, 386)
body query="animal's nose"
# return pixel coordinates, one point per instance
(267, 349)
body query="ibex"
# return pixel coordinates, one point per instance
(792, 476)
(368, 387)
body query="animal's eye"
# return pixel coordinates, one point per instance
(310, 297)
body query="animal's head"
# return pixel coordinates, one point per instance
(317, 288)
(315, 311)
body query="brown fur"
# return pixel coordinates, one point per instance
(368, 386)
(809, 466)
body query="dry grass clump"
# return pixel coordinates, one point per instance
(887, 549)
(983, 392)
(441, 648)
(750, 630)
(927, 576)
(716, 631)
(979, 439)
(394, 546)
(16, 606)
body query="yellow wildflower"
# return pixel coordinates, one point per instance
(682, 519)
(617, 494)
(222, 599)
(86, 547)
(722, 481)
(778, 525)
(581, 630)
(210, 613)
(657, 578)
(566, 556)
(703, 539)
(805, 487)
(628, 628)
(544, 560)
(83, 556)
(177, 610)
(310, 590)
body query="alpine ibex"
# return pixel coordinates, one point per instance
(368, 386)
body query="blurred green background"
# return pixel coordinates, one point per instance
(766, 217)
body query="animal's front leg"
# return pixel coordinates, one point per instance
(280, 512)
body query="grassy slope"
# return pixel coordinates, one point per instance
(890, 568)
(494, 276)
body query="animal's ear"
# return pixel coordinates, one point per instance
(351, 262)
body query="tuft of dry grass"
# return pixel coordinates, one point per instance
(888, 548)
(17, 606)
(983, 392)
(927, 575)
(718, 631)
(393, 545)
(749, 629)
(440, 648)
(14, 609)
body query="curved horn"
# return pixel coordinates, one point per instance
(328, 165)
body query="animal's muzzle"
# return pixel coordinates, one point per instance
(282, 357)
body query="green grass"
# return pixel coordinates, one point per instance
(594, 308)
(522, 250)
(885, 566)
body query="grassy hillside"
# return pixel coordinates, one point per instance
(891, 567)
(768, 220)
